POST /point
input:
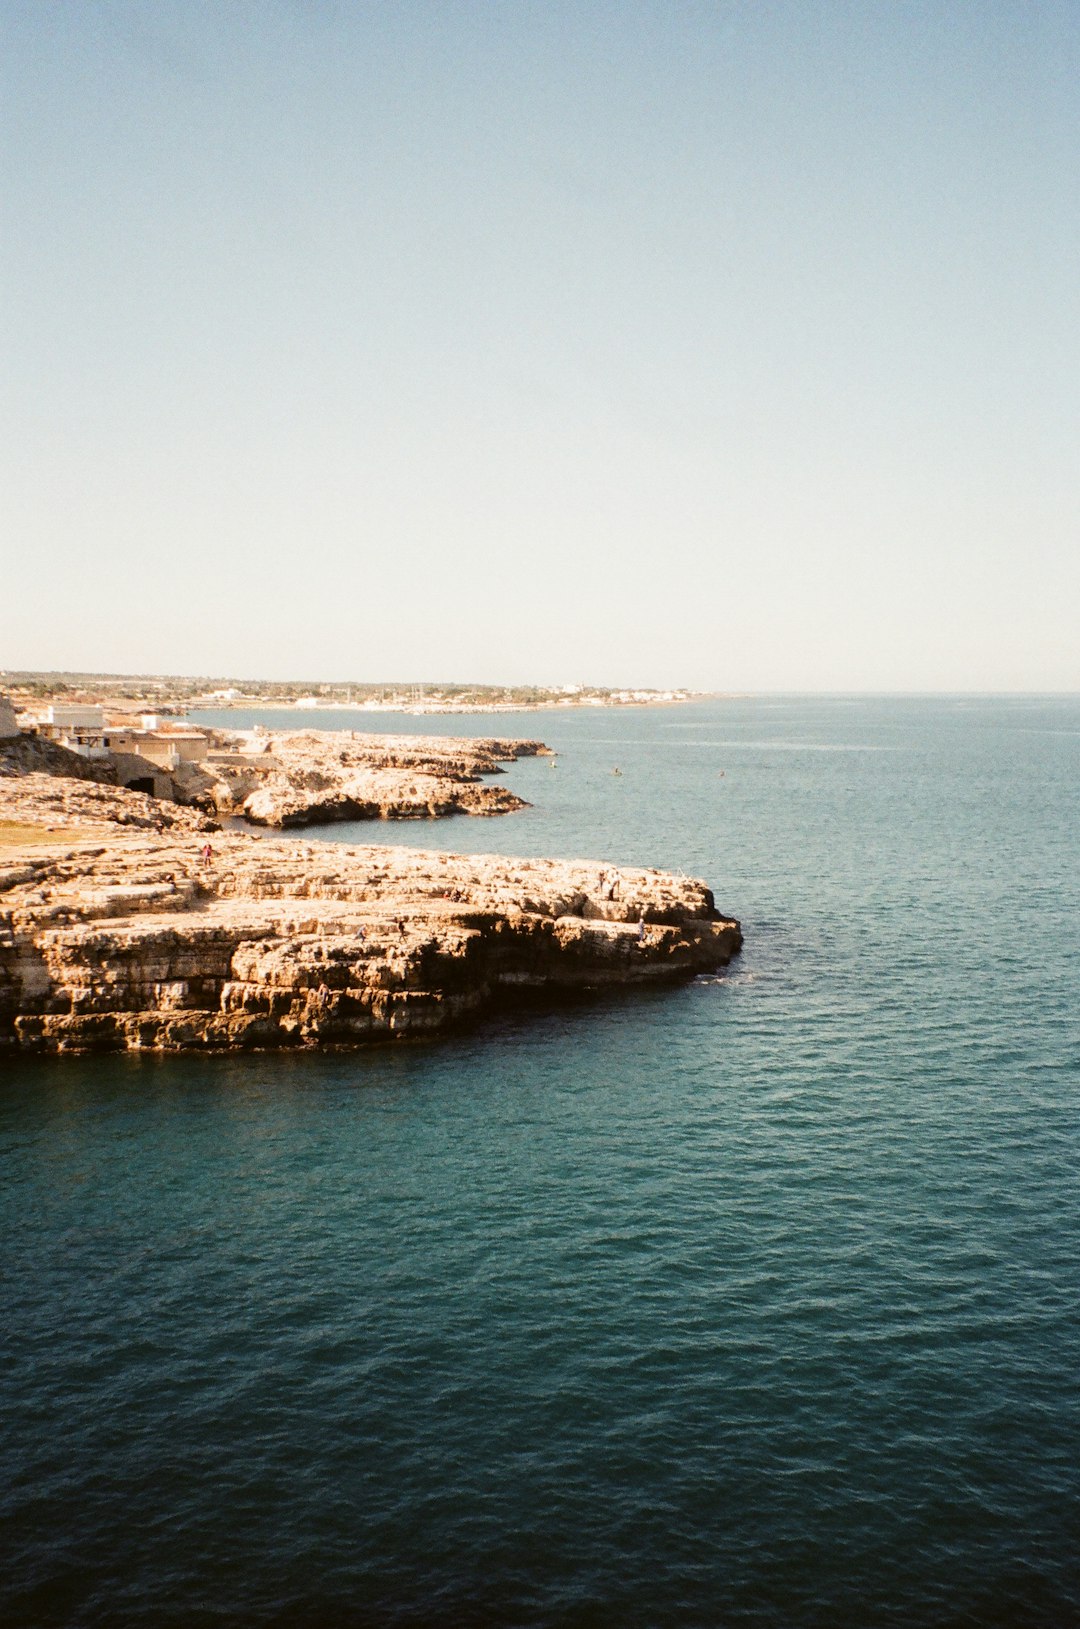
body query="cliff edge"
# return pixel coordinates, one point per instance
(301, 778)
(119, 931)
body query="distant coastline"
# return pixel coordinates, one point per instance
(172, 694)
(437, 708)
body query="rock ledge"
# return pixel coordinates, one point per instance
(140, 944)
(128, 923)
(303, 778)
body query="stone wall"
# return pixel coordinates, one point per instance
(8, 726)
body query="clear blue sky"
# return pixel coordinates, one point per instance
(730, 344)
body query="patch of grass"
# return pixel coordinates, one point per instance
(17, 833)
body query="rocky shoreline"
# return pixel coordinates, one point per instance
(120, 931)
(285, 779)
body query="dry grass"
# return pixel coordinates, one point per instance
(19, 833)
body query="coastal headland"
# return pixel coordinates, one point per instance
(309, 777)
(129, 922)
(280, 778)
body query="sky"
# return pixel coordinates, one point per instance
(730, 345)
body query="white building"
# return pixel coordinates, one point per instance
(79, 729)
(85, 730)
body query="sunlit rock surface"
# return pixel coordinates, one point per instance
(288, 779)
(118, 930)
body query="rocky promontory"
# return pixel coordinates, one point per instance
(128, 923)
(286, 779)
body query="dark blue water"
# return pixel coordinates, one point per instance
(753, 1302)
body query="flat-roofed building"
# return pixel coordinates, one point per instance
(171, 747)
(87, 731)
(65, 717)
(78, 728)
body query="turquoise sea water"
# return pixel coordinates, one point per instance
(752, 1302)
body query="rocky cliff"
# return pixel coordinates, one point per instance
(31, 754)
(289, 779)
(118, 931)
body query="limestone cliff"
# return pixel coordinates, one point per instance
(303, 778)
(117, 931)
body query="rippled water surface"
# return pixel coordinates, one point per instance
(755, 1301)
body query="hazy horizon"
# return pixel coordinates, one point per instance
(735, 694)
(717, 346)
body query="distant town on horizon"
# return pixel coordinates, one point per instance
(170, 692)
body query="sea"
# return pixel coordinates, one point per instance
(750, 1301)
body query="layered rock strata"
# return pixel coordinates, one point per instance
(310, 777)
(45, 802)
(132, 938)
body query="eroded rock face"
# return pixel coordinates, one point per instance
(139, 941)
(50, 800)
(309, 777)
(31, 754)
